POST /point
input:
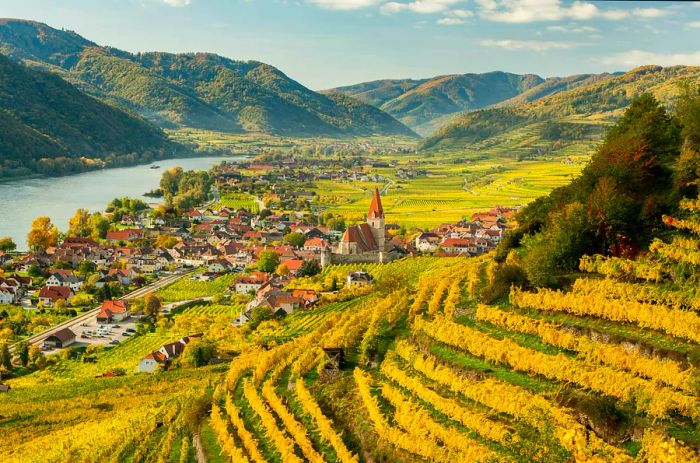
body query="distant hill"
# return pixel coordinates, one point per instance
(601, 99)
(49, 126)
(426, 104)
(199, 90)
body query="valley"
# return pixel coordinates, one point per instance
(205, 260)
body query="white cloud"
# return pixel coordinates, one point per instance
(535, 45)
(419, 6)
(634, 58)
(526, 11)
(695, 24)
(574, 29)
(450, 21)
(649, 12)
(342, 4)
(177, 3)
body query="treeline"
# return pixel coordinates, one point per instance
(185, 189)
(646, 164)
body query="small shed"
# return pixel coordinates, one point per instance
(335, 358)
(61, 338)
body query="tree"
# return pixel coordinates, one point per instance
(166, 241)
(79, 224)
(198, 352)
(268, 261)
(152, 305)
(22, 350)
(42, 235)
(5, 356)
(86, 267)
(59, 306)
(34, 354)
(99, 226)
(258, 315)
(309, 268)
(7, 245)
(34, 271)
(295, 239)
(282, 269)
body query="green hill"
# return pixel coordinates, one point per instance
(426, 104)
(49, 126)
(598, 102)
(199, 90)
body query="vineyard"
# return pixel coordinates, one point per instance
(235, 201)
(185, 289)
(604, 370)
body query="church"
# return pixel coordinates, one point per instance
(365, 242)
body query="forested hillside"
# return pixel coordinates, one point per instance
(50, 127)
(199, 90)
(426, 104)
(597, 102)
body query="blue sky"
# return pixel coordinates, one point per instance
(326, 43)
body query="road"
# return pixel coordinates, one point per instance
(87, 315)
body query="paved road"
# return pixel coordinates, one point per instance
(87, 315)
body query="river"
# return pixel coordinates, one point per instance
(21, 201)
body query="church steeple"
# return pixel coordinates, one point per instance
(375, 208)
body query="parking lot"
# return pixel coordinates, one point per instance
(89, 332)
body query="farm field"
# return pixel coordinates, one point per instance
(450, 192)
(235, 201)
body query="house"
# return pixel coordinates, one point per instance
(49, 295)
(316, 244)
(124, 277)
(462, 246)
(427, 242)
(220, 266)
(359, 278)
(250, 283)
(113, 311)
(129, 234)
(7, 296)
(166, 354)
(293, 265)
(60, 339)
(62, 277)
(150, 363)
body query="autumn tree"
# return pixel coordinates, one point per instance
(152, 305)
(42, 235)
(99, 226)
(79, 224)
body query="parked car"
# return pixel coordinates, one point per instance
(130, 330)
(114, 341)
(126, 334)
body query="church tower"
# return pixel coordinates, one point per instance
(375, 219)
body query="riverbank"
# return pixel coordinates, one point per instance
(59, 197)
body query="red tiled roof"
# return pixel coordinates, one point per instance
(55, 292)
(362, 235)
(116, 306)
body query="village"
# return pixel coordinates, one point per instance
(97, 285)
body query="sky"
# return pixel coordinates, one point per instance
(329, 43)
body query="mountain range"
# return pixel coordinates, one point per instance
(51, 127)
(199, 90)
(427, 104)
(594, 100)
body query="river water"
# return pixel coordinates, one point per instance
(21, 201)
